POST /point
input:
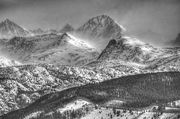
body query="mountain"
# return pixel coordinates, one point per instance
(9, 29)
(64, 76)
(129, 55)
(100, 29)
(128, 49)
(50, 48)
(135, 94)
(67, 50)
(67, 28)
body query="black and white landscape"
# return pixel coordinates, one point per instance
(85, 63)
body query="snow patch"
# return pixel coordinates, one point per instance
(74, 105)
(78, 42)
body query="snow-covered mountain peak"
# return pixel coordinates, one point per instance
(101, 26)
(9, 29)
(99, 30)
(128, 49)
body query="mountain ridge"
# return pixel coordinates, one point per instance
(50, 48)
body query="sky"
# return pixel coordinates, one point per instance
(153, 21)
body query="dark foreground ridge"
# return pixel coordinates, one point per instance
(135, 91)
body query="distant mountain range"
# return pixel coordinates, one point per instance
(97, 51)
(28, 47)
(99, 29)
(69, 48)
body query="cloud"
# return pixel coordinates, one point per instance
(153, 21)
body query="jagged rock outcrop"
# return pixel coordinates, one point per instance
(131, 52)
(23, 85)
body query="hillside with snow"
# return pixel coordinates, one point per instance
(134, 96)
(50, 48)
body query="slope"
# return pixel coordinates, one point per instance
(130, 92)
(99, 30)
(50, 48)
